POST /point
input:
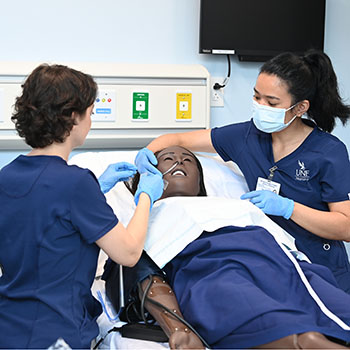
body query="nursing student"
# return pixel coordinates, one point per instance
(297, 172)
(54, 217)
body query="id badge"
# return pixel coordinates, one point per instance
(269, 185)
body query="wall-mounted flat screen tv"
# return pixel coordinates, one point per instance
(256, 30)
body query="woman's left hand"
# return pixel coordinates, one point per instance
(114, 173)
(271, 203)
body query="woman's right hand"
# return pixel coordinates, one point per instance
(114, 173)
(152, 185)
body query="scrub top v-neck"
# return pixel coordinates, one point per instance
(315, 174)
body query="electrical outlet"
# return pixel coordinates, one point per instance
(216, 96)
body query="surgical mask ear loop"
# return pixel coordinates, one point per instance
(288, 109)
(291, 121)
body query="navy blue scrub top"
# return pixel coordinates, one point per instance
(51, 215)
(316, 173)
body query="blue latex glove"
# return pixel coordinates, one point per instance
(114, 173)
(271, 203)
(146, 161)
(152, 184)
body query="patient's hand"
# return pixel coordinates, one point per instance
(185, 339)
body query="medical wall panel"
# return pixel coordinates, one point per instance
(135, 103)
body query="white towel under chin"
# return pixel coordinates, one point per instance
(177, 221)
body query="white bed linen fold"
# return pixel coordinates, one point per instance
(177, 221)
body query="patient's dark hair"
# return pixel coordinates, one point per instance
(133, 183)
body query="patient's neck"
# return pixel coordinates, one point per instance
(176, 194)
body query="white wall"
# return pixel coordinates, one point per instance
(139, 31)
(337, 46)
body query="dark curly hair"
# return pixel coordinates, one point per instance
(51, 93)
(311, 77)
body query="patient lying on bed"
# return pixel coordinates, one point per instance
(235, 276)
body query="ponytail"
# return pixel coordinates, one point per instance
(311, 78)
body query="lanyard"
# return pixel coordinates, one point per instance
(272, 170)
(268, 184)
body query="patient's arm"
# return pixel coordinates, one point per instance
(141, 278)
(159, 291)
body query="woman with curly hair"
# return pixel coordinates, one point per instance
(55, 217)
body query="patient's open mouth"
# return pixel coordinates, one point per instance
(178, 173)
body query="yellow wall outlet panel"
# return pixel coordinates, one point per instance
(184, 106)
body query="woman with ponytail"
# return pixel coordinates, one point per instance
(297, 172)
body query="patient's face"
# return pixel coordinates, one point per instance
(184, 179)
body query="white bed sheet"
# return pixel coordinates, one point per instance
(183, 219)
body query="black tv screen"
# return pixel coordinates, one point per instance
(257, 30)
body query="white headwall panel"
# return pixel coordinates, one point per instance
(176, 99)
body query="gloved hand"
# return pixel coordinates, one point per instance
(146, 161)
(271, 203)
(114, 173)
(152, 184)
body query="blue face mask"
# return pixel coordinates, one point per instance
(270, 119)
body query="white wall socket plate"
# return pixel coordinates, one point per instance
(216, 96)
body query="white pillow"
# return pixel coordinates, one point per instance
(221, 180)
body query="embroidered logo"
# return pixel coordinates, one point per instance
(302, 174)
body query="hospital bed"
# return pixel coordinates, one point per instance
(221, 180)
